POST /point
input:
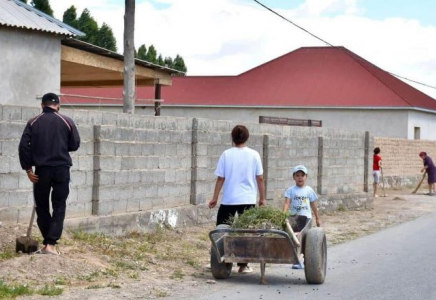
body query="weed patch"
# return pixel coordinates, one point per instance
(177, 274)
(50, 290)
(13, 291)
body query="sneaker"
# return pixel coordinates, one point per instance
(245, 270)
(298, 266)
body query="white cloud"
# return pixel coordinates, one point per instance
(316, 8)
(227, 37)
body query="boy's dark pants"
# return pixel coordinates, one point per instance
(55, 180)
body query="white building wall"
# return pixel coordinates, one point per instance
(382, 123)
(426, 123)
(30, 65)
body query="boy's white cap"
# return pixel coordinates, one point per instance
(300, 168)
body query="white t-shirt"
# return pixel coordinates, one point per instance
(300, 200)
(239, 167)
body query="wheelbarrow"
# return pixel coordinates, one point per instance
(270, 246)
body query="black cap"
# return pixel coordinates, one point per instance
(50, 97)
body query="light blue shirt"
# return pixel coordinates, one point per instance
(300, 200)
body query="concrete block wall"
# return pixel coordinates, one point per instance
(210, 139)
(132, 164)
(343, 163)
(144, 167)
(16, 199)
(401, 161)
(295, 146)
(337, 167)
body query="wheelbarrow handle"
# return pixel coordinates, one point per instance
(292, 233)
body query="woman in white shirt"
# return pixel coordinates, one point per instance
(240, 172)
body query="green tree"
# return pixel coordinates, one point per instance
(43, 5)
(160, 60)
(152, 54)
(70, 16)
(89, 26)
(105, 38)
(179, 64)
(168, 62)
(25, 1)
(142, 52)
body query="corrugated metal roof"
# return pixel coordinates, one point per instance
(14, 13)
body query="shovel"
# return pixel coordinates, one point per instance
(26, 244)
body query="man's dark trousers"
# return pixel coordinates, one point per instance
(55, 180)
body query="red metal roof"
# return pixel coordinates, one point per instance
(306, 77)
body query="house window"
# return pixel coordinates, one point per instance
(417, 133)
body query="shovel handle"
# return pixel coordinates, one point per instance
(419, 184)
(32, 218)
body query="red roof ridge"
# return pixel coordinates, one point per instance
(361, 61)
(286, 54)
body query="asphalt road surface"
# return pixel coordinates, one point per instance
(397, 263)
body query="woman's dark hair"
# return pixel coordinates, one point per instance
(376, 150)
(240, 134)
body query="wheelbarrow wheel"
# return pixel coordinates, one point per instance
(315, 256)
(220, 270)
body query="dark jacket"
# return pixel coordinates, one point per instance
(47, 139)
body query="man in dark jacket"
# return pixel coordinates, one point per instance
(46, 142)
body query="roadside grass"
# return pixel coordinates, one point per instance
(160, 293)
(11, 291)
(8, 253)
(137, 251)
(50, 290)
(177, 274)
(61, 281)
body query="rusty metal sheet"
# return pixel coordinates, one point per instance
(258, 249)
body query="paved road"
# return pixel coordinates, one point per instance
(397, 263)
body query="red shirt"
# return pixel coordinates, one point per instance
(375, 166)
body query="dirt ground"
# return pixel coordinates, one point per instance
(168, 263)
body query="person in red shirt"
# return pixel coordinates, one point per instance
(376, 169)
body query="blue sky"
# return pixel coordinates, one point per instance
(422, 10)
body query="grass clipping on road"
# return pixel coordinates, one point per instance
(260, 218)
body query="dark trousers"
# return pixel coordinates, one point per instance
(227, 211)
(54, 181)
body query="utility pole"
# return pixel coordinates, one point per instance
(129, 94)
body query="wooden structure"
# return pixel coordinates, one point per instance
(86, 65)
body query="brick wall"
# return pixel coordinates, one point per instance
(128, 164)
(401, 163)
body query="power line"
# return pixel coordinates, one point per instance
(411, 80)
(327, 43)
(284, 18)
